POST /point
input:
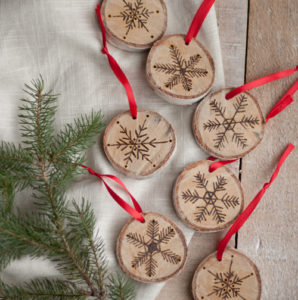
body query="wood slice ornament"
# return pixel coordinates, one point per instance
(229, 123)
(134, 24)
(228, 129)
(152, 251)
(234, 277)
(181, 74)
(139, 147)
(208, 201)
(179, 68)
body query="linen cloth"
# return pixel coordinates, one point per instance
(61, 40)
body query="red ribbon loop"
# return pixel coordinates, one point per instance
(198, 20)
(116, 69)
(217, 164)
(251, 207)
(286, 100)
(259, 82)
(135, 212)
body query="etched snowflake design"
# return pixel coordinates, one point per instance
(135, 15)
(224, 124)
(136, 145)
(210, 202)
(227, 285)
(151, 244)
(182, 71)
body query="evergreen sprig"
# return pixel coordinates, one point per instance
(47, 164)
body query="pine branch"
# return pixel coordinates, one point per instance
(218, 109)
(230, 201)
(150, 266)
(219, 184)
(120, 288)
(136, 239)
(248, 121)
(76, 138)
(48, 164)
(44, 289)
(239, 139)
(152, 229)
(165, 235)
(170, 256)
(201, 213)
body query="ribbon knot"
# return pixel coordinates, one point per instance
(104, 50)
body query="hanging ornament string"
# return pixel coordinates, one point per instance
(261, 81)
(286, 100)
(116, 69)
(217, 164)
(251, 207)
(198, 20)
(135, 212)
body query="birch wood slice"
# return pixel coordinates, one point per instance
(139, 147)
(181, 74)
(234, 277)
(208, 201)
(152, 251)
(228, 129)
(134, 24)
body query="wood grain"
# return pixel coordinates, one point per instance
(179, 73)
(139, 147)
(228, 129)
(272, 46)
(152, 251)
(134, 25)
(234, 277)
(208, 201)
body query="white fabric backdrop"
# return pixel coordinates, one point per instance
(61, 40)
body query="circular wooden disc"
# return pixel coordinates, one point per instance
(134, 24)
(139, 147)
(234, 277)
(208, 201)
(181, 74)
(152, 251)
(228, 129)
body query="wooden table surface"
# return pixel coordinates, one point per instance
(259, 37)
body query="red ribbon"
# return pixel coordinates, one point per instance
(217, 164)
(286, 100)
(259, 82)
(116, 69)
(135, 212)
(198, 20)
(251, 207)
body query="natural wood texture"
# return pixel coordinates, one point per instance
(134, 24)
(269, 237)
(228, 129)
(139, 147)
(181, 74)
(152, 251)
(235, 277)
(232, 20)
(208, 201)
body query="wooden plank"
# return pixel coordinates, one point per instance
(232, 20)
(269, 236)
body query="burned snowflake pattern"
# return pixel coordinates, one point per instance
(227, 285)
(152, 246)
(236, 124)
(136, 144)
(181, 71)
(210, 203)
(134, 15)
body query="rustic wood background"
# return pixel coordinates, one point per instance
(259, 37)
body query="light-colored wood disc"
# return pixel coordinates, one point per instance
(208, 201)
(228, 129)
(139, 147)
(234, 277)
(134, 24)
(181, 74)
(152, 251)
